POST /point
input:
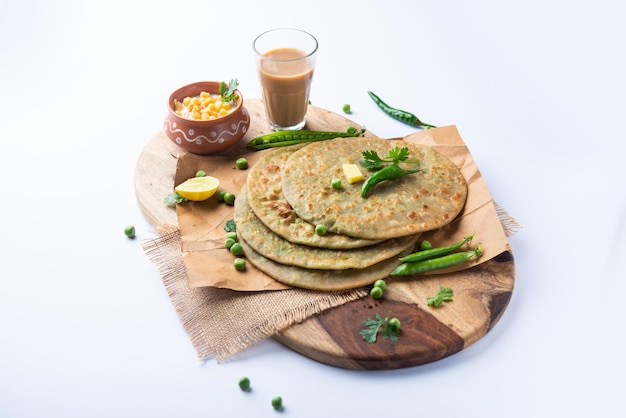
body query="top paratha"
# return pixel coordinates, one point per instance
(266, 198)
(409, 205)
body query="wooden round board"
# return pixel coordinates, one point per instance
(481, 294)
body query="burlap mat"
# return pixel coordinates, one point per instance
(223, 322)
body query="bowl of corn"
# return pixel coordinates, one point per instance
(202, 121)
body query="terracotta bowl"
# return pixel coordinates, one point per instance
(205, 137)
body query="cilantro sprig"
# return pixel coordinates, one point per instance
(173, 199)
(391, 328)
(228, 94)
(394, 156)
(444, 295)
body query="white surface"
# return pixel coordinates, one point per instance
(536, 89)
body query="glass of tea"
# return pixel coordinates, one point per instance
(285, 59)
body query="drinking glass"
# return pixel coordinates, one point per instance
(285, 59)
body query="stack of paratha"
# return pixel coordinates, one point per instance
(288, 193)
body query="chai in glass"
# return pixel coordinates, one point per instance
(286, 73)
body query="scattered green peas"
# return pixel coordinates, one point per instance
(425, 245)
(228, 243)
(376, 292)
(201, 173)
(240, 264)
(346, 108)
(394, 324)
(232, 234)
(229, 198)
(244, 383)
(335, 183)
(320, 229)
(129, 231)
(380, 283)
(277, 402)
(236, 249)
(241, 163)
(220, 196)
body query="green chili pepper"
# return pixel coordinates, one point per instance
(401, 115)
(286, 138)
(436, 252)
(450, 260)
(391, 172)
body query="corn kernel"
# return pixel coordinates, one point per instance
(204, 106)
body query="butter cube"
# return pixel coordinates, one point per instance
(352, 173)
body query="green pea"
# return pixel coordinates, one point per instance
(244, 383)
(394, 324)
(129, 231)
(335, 184)
(376, 292)
(346, 108)
(240, 264)
(320, 229)
(229, 198)
(228, 243)
(425, 245)
(236, 249)
(233, 235)
(277, 402)
(380, 283)
(201, 173)
(220, 196)
(241, 163)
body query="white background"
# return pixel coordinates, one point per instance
(535, 88)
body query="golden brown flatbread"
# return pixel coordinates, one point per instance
(264, 242)
(409, 205)
(266, 199)
(321, 280)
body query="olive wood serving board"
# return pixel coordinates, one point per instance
(481, 293)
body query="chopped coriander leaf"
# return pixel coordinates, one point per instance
(445, 294)
(373, 161)
(230, 226)
(173, 199)
(229, 94)
(373, 326)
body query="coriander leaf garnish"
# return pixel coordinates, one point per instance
(391, 328)
(398, 154)
(387, 168)
(230, 226)
(229, 94)
(373, 161)
(445, 294)
(174, 199)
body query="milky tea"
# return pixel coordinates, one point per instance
(286, 74)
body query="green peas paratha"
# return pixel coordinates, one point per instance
(266, 198)
(320, 280)
(269, 245)
(409, 205)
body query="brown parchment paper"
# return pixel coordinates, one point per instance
(209, 263)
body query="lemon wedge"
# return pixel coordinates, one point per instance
(198, 188)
